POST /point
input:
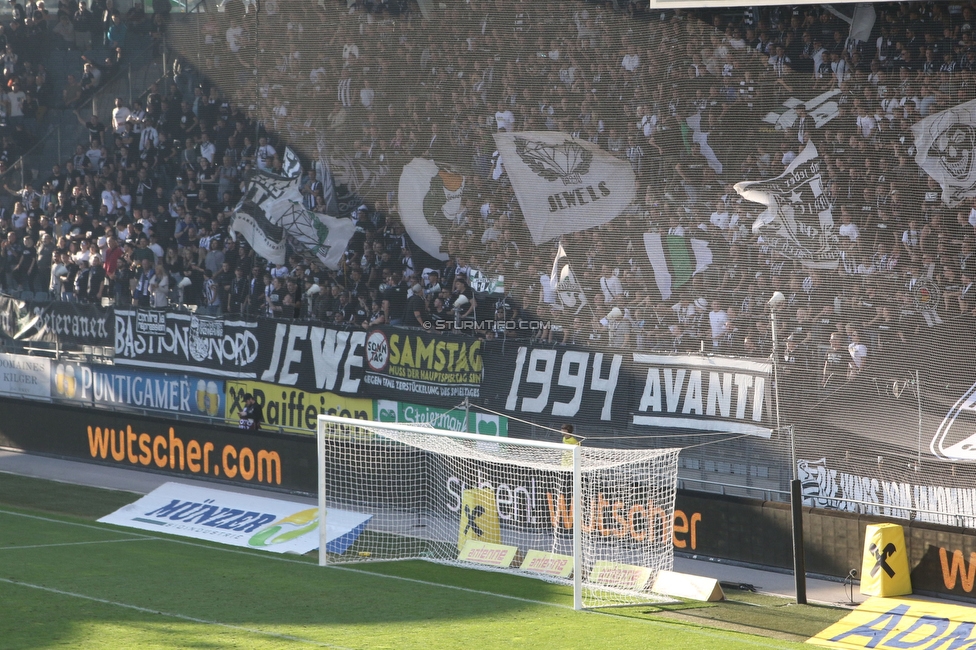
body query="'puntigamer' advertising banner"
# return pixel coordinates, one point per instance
(683, 393)
(114, 387)
(180, 341)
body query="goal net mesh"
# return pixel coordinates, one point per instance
(503, 505)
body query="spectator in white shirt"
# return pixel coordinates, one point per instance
(610, 284)
(119, 115)
(504, 118)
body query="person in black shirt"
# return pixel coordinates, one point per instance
(237, 295)
(415, 313)
(96, 281)
(252, 415)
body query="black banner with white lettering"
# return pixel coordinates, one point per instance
(186, 342)
(67, 323)
(384, 362)
(686, 394)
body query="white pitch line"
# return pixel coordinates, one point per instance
(277, 558)
(99, 541)
(183, 617)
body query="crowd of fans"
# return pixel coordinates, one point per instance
(377, 84)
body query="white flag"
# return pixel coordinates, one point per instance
(564, 282)
(700, 138)
(945, 146)
(563, 184)
(430, 203)
(271, 214)
(798, 222)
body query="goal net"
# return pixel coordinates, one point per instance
(499, 504)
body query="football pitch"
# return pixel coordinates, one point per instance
(67, 581)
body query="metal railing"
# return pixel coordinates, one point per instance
(64, 129)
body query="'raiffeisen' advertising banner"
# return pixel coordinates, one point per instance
(450, 419)
(236, 519)
(901, 623)
(113, 386)
(291, 408)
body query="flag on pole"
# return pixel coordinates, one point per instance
(798, 222)
(563, 280)
(945, 146)
(564, 184)
(675, 260)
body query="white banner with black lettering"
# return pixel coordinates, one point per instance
(241, 520)
(564, 184)
(25, 376)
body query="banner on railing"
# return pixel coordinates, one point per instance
(384, 362)
(292, 408)
(451, 419)
(180, 341)
(692, 393)
(25, 376)
(113, 387)
(68, 323)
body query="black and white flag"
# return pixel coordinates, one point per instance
(271, 214)
(798, 222)
(563, 280)
(564, 184)
(945, 146)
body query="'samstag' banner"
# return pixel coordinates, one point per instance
(179, 341)
(68, 323)
(686, 393)
(384, 362)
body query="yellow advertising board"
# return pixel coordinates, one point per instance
(291, 408)
(489, 554)
(620, 576)
(479, 517)
(550, 564)
(902, 623)
(884, 571)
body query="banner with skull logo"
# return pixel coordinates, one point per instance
(946, 150)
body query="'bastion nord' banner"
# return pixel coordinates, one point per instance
(686, 394)
(164, 340)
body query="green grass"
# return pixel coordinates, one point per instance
(66, 581)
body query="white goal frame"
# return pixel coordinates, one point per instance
(565, 450)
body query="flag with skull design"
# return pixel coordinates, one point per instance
(946, 149)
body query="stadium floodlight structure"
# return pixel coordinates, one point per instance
(499, 504)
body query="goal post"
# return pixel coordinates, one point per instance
(598, 520)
